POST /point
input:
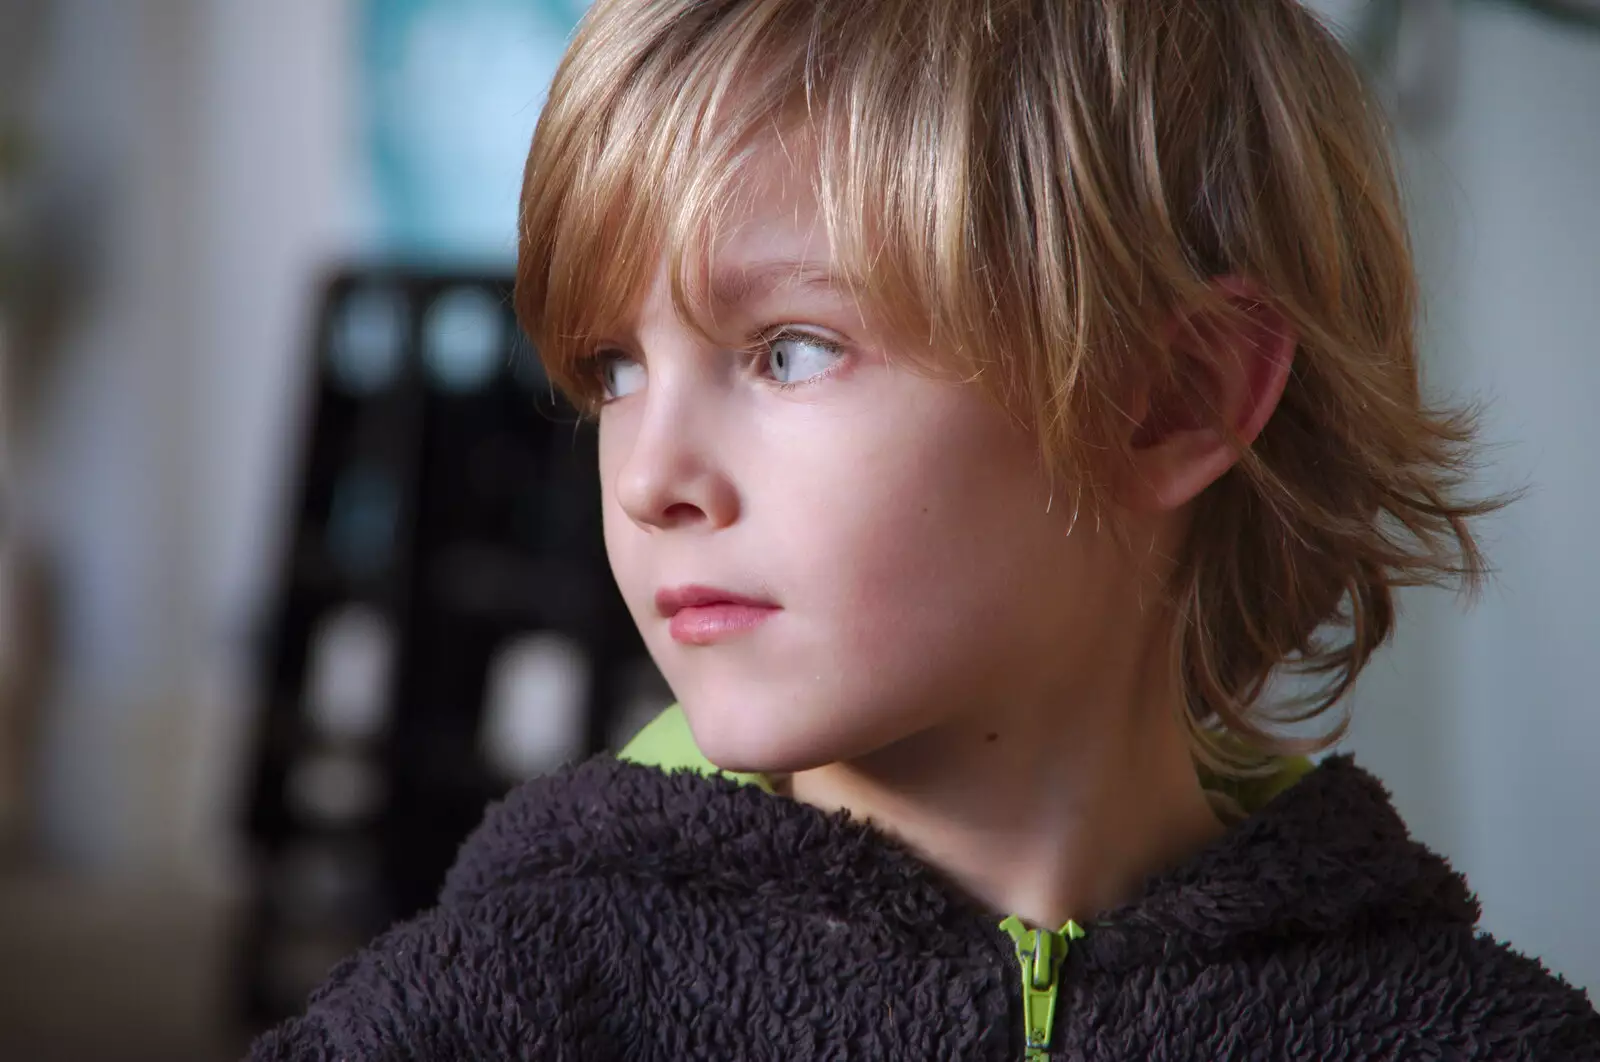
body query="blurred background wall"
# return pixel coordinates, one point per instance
(193, 157)
(185, 183)
(194, 168)
(1486, 722)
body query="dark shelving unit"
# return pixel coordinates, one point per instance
(445, 621)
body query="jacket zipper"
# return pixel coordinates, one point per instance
(1040, 953)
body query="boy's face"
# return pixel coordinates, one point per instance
(897, 527)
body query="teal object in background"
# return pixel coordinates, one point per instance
(450, 91)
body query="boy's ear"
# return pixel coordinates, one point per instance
(1232, 371)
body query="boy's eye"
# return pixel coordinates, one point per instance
(794, 357)
(620, 375)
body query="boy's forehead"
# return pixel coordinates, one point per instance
(775, 212)
(738, 281)
(773, 237)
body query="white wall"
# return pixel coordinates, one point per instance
(202, 146)
(1486, 723)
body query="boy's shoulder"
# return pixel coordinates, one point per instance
(1512, 998)
(494, 978)
(1418, 991)
(533, 915)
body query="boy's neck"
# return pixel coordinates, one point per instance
(1050, 820)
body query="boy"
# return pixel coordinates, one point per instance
(992, 398)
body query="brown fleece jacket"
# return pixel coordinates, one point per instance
(616, 911)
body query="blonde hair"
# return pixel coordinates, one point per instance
(1056, 181)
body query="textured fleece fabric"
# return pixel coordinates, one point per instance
(615, 910)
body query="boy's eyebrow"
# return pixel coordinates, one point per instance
(731, 286)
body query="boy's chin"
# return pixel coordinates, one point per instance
(749, 737)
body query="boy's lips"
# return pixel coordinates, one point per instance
(701, 615)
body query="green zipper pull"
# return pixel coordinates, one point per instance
(1039, 953)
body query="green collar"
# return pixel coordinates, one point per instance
(666, 742)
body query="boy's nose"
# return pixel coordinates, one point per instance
(671, 479)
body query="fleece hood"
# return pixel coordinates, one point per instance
(1324, 853)
(649, 907)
